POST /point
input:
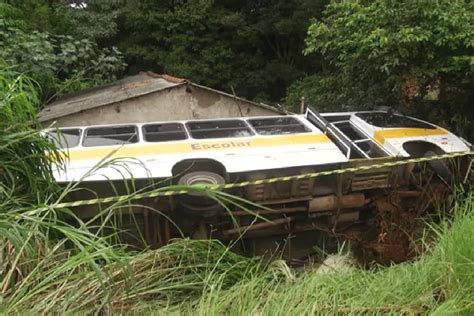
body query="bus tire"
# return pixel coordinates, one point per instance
(196, 211)
(197, 199)
(440, 167)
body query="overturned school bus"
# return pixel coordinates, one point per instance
(290, 211)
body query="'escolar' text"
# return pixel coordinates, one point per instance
(219, 145)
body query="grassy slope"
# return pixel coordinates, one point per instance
(441, 282)
(202, 277)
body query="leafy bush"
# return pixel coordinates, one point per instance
(59, 63)
(414, 55)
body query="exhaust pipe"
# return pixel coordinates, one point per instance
(332, 202)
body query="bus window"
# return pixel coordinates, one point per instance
(66, 138)
(218, 129)
(164, 132)
(278, 126)
(384, 119)
(110, 135)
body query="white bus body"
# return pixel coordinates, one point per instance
(296, 142)
(236, 154)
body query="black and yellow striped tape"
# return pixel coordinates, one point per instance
(168, 191)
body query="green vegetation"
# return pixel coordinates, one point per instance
(34, 40)
(441, 282)
(416, 56)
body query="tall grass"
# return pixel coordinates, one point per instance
(25, 170)
(441, 282)
(32, 241)
(51, 261)
(203, 277)
(41, 273)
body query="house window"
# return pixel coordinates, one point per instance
(110, 135)
(218, 129)
(164, 132)
(66, 138)
(278, 126)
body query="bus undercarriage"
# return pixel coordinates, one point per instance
(378, 211)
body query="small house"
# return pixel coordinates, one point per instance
(148, 97)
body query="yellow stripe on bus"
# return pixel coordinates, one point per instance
(149, 149)
(381, 135)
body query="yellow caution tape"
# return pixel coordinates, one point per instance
(168, 191)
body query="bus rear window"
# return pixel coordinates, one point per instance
(218, 129)
(110, 135)
(278, 126)
(66, 138)
(164, 132)
(387, 120)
